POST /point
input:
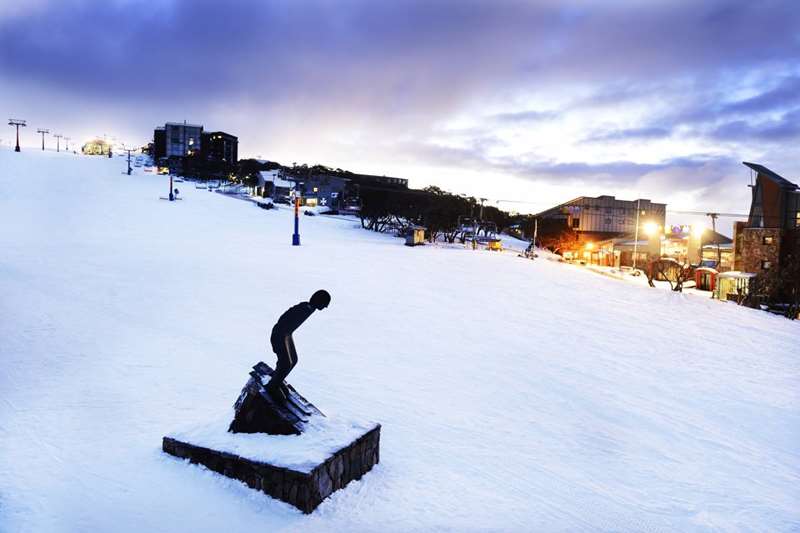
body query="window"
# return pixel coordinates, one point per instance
(766, 265)
(576, 222)
(608, 222)
(767, 240)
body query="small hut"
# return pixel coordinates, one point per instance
(733, 285)
(415, 236)
(705, 278)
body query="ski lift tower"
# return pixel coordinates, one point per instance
(17, 122)
(129, 150)
(42, 131)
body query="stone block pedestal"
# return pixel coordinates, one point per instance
(304, 484)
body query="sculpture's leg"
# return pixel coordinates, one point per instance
(291, 352)
(282, 368)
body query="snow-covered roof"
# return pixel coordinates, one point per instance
(272, 177)
(735, 274)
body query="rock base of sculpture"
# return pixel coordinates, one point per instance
(300, 470)
(257, 412)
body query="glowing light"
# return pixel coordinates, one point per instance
(698, 231)
(650, 228)
(590, 246)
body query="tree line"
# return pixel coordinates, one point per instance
(439, 212)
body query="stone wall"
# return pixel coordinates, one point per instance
(303, 490)
(754, 251)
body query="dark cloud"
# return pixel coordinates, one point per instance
(714, 116)
(399, 54)
(694, 172)
(786, 128)
(786, 93)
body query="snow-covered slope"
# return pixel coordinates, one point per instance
(514, 395)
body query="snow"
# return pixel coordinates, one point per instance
(513, 395)
(322, 437)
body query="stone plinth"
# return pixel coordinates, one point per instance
(300, 470)
(257, 412)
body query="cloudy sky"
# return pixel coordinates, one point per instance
(535, 101)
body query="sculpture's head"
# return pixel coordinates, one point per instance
(320, 299)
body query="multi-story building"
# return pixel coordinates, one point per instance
(604, 217)
(220, 146)
(761, 243)
(183, 140)
(369, 180)
(188, 150)
(159, 149)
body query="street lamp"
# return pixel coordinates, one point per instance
(16, 122)
(650, 228)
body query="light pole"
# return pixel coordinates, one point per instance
(636, 235)
(42, 131)
(66, 140)
(296, 236)
(58, 141)
(16, 122)
(714, 229)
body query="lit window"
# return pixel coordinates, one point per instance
(766, 265)
(767, 240)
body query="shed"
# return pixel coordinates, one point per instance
(733, 285)
(415, 236)
(705, 278)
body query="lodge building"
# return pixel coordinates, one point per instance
(762, 243)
